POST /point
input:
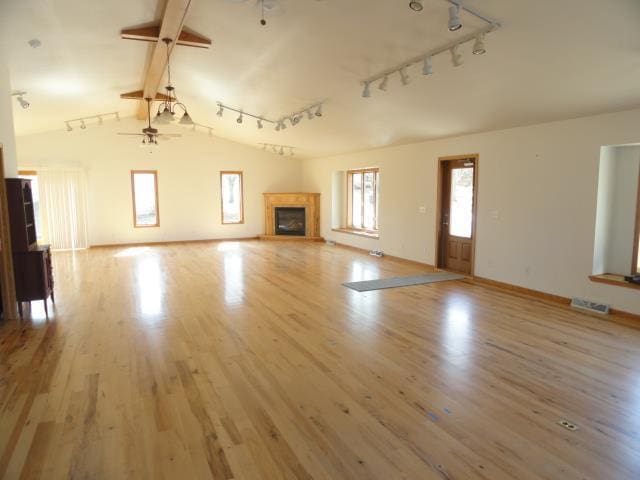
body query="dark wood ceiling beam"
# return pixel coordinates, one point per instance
(152, 34)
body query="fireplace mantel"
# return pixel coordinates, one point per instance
(309, 201)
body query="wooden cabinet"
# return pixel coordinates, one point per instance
(33, 275)
(31, 262)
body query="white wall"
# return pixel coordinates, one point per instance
(188, 180)
(7, 135)
(540, 182)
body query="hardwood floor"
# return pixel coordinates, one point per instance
(249, 360)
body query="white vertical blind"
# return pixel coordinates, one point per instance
(63, 208)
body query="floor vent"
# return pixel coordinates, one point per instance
(568, 425)
(590, 306)
(331, 242)
(376, 253)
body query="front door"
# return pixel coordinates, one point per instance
(457, 203)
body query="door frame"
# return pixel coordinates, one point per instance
(7, 282)
(474, 232)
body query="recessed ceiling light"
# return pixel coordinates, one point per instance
(34, 43)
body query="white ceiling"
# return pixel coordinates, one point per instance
(551, 60)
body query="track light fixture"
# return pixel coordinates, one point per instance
(19, 98)
(454, 17)
(319, 111)
(241, 114)
(383, 83)
(404, 78)
(456, 57)
(82, 122)
(296, 117)
(477, 37)
(309, 114)
(427, 68)
(366, 93)
(478, 45)
(277, 149)
(416, 5)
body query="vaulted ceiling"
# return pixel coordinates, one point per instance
(550, 60)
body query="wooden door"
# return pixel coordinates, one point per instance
(457, 214)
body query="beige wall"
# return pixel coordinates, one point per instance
(188, 180)
(7, 135)
(536, 201)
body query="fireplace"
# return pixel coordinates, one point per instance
(291, 216)
(290, 221)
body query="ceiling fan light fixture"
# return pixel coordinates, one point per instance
(186, 119)
(166, 116)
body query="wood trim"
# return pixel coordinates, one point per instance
(232, 172)
(349, 198)
(7, 279)
(173, 242)
(133, 198)
(612, 279)
(138, 95)
(151, 33)
(309, 201)
(439, 191)
(636, 239)
(360, 233)
(389, 257)
(32, 173)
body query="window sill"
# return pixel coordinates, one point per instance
(360, 233)
(615, 280)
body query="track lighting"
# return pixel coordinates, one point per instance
(19, 98)
(478, 46)
(456, 57)
(221, 111)
(241, 114)
(404, 78)
(427, 69)
(81, 122)
(383, 83)
(278, 127)
(239, 120)
(276, 149)
(319, 111)
(416, 5)
(260, 124)
(454, 17)
(366, 93)
(309, 114)
(295, 119)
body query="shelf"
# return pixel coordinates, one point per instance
(615, 280)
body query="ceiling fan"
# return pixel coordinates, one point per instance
(149, 134)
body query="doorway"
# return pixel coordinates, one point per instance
(456, 213)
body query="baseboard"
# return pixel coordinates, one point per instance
(171, 242)
(508, 287)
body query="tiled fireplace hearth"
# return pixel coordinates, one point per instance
(292, 216)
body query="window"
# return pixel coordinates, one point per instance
(144, 188)
(35, 192)
(231, 195)
(362, 199)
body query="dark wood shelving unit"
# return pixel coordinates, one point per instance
(33, 271)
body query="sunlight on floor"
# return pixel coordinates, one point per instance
(132, 251)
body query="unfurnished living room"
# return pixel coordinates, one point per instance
(320, 239)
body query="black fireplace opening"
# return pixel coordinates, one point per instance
(290, 221)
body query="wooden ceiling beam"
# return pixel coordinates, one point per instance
(139, 95)
(151, 33)
(170, 27)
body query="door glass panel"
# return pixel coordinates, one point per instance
(461, 208)
(369, 202)
(357, 200)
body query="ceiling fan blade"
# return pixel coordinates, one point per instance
(138, 134)
(174, 135)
